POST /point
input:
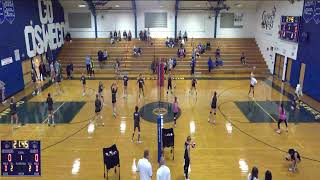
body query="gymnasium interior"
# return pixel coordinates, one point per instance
(260, 57)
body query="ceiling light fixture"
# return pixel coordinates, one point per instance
(116, 5)
(82, 5)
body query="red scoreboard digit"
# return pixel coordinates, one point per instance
(20, 158)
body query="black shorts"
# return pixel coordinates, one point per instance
(97, 110)
(13, 113)
(114, 101)
(175, 114)
(50, 109)
(169, 86)
(213, 107)
(136, 126)
(252, 86)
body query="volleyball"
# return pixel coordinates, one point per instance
(193, 145)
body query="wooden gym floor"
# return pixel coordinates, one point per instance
(244, 135)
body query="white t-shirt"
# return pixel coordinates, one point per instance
(298, 90)
(145, 169)
(253, 81)
(163, 173)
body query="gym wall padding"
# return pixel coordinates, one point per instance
(309, 51)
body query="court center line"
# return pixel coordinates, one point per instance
(53, 113)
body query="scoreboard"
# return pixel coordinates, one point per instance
(20, 158)
(290, 28)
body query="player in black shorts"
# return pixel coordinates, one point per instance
(114, 90)
(13, 112)
(100, 90)
(169, 87)
(83, 81)
(193, 85)
(141, 85)
(187, 147)
(293, 156)
(98, 107)
(50, 110)
(34, 82)
(125, 86)
(136, 119)
(213, 108)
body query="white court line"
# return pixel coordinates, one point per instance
(53, 113)
(265, 111)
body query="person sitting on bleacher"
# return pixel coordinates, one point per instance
(129, 35)
(182, 42)
(125, 35)
(167, 42)
(185, 36)
(218, 53)
(69, 70)
(219, 62)
(136, 51)
(201, 49)
(208, 46)
(174, 63)
(68, 37)
(170, 64)
(181, 52)
(243, 58)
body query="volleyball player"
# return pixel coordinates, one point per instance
(175, 110)
(141, 85)
(193, 85)
(114, 90)
(50, 110)
(98, 107)
(100, 90)
(253, 82)
(83, 81)
(187, 148)
(136, 119)
(293, 156)
(213, 108)
(169, 87)
(125, 86)
(13, 111)
(282, 118)
(298, 94)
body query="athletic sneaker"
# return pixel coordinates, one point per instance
(278, 131)
(139, 142)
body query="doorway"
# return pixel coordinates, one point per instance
(288, 69)
(278, 66)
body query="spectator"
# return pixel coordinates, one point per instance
(181, 52)
(268, 175)
(174, 63)
(52, 72)
(153, 66)
(219, 62)
(254, 174)
(105, 55)
(170, 64)
(119, 36)
(68, 37)
(69, 70)
(210, 64)
(145, 35)
(171, 43)
(42, 70)
(165, 66)
(144, 167)
(115, 35)
(185, 36)
(88, 64)
(182, 43)
(111, 35)
(100, 58)
(167, 42)
(91, 69)
(201, 49)
(2, 92)
(141, 36)
(192, 65)
(179, 35)
(57, 67)
(208, 46)
(112, 40)
(129, 35)
(136, 51)
(125, 35)
(148, 35)
(218, 53)
(243, 58)
(163, 172)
